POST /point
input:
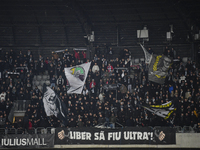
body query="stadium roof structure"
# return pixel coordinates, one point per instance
(67, 22)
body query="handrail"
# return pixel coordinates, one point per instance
(119, 124)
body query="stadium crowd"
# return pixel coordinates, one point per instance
(98, 105)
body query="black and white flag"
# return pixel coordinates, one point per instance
(53, 105)
(164, 110)
(158, 66)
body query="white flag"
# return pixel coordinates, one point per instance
(147, 55)
(76, 77)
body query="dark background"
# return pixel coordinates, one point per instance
(47, 25)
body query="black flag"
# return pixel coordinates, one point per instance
(53, 105)
(164, 110)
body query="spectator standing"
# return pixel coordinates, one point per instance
(95, 68)
(101, 120)
(110, 53)
(150, 50)
(129, 83)
(51, 70)
(113, 120)
(93, 87)
(3, 96)
(174, 53)
(60, 82)
(77, 56)
(41, 66)
(109, 68)
(53, 81)
(84, 56)
(98, 51)
(29, 53)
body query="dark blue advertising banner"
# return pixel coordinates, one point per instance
(134, 135)
(27, 141)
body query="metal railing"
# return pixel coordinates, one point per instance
(39, 130)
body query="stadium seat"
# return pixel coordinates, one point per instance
(44, 77)
(39, 77)
(185, 59)
(141, 59)
(34, 78)
(40, 87)
(136, 61)
(47, 82)
(46, 72)
(33, 86)
(37, 83)
(33, 82)
(42, 82)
